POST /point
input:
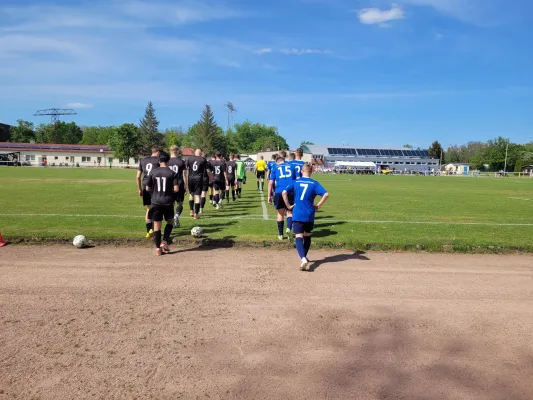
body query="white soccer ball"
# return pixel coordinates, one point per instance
(197, 232)
(80, 241)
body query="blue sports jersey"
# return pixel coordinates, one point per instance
(282, 175)
(296, 167)
(305, 190)
(270, 165)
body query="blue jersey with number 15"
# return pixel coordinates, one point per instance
(305, 190)
(282, 175)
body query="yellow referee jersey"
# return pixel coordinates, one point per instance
(261, 165)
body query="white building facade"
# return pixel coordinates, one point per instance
(64, 155)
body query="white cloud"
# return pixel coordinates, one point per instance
(372, 16)
(264, 50)
(79, 105)
(292, 51)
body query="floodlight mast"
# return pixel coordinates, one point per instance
(231, 109)
(54, 113)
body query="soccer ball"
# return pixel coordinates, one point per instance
(80, 241)
(197, 232)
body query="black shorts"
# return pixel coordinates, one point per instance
(147, 198)
(302, 227)
(260, 174)
(180, 195)
(161, 213)
(218, 185)
(279, 203)
(195, 187)
(231, 180)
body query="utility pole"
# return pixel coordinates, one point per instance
(505, 165)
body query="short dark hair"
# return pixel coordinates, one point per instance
(218, 154)
(292, 156)
(238, 156)
(164, 157)
(156, 149)
(280, 158)
(283, 154)
(299, 152)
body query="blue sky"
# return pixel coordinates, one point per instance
(359, 72)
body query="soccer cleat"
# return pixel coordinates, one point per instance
(220, 206)
(216, 207)
(159, 252)
(201, 210)
(303, 264)
(191, 213)
(280, 237)
(177, 221)
(196, 216)
(164, 247)
(150, 234)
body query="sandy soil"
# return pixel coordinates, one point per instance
(109, 323)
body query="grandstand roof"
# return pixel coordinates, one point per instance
(367, 151)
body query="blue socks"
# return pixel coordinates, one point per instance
(289, 223)
(300, 247)
(307, 244)
(280, 228)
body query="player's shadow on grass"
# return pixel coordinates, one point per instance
(323, 230)
(206, 244)
(358, 255)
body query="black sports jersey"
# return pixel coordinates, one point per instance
(218, 167)
(231, 167)
(178, 166)
(161, 182)
(197, 167)
(147, 165)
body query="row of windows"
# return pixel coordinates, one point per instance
(405, 163)
(334, 151)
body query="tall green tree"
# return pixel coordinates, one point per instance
(125, 141)
(149, 135)
(408, 146)
(97, 134)
(59, 132)
(436, 151)
(23, 132)
(206, 134)
(173, 136)
(249, 137)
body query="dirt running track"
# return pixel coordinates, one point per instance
(108, 323)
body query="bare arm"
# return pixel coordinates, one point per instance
(185, 180)
(270, 187)
(286, 200)
(139, 186)
(322, 201)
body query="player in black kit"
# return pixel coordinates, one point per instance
(197, 169)
(163, 185)
(177, 165)
(232, 179)
(220, 178)
(146, 166)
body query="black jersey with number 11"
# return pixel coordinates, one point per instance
(197, 168)
(161, 182)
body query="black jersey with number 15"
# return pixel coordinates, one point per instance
(197, 167)
(147, 165)
(161, 182)
(218, 167)
(178, 166)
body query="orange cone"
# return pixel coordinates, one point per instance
(2, 243)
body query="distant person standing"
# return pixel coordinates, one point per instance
(231, 168)
(197, 170)
(260, 168)
(177, 165)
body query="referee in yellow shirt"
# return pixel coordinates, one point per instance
(260, 168)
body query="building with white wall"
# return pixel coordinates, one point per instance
(38, 154)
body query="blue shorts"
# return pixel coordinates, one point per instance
(302, 227)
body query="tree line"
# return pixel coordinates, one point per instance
(133, 140)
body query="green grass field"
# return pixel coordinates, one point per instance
(388, 212)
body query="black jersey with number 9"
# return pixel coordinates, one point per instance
(147, 165)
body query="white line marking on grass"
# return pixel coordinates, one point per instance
(263, 205)
(324, 221)
(520, 198)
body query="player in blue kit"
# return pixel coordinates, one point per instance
(304, 190)
(271, 165)
(297, 164)
(281, 177)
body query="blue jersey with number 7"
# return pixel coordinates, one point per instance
(282, 175)
(305, 190)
